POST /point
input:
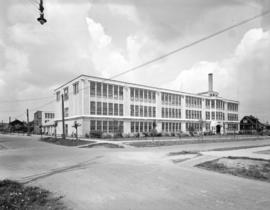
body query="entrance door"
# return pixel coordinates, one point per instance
(218, 129)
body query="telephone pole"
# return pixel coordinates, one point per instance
(63, 117)
(28, 128)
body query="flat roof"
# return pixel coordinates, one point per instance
(144, 86)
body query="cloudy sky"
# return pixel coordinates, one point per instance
(103, 38)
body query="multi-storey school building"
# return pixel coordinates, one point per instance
(111, 106)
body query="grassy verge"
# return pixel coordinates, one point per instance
(14, 195)
(66, 142)
(106, 145)
(258, 169)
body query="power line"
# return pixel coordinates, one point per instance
(191, 44)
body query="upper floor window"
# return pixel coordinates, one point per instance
(58, 96)
(66, 112)
(98, 89)
(76, 88)
(92, 88)
(66, 93)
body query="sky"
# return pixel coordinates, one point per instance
(103, 38)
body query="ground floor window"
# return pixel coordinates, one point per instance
(107, 126)
(141, 126)
(172, 127)
(193, 126)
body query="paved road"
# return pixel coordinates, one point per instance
(131, 178)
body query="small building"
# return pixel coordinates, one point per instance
(41, 118)
(251, 125)
(18, 126)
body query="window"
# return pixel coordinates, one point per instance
(98, 108)
(58, 96)
(132, 127)
(212, 104)
(92, 88)
(141, 111)
(121, 93)
(141, 95)
(132, 94)
(121, 109)
(213, 115)
(116, 109)
(98, 89)
(110, 91)
(66, 93)
(145, 95)
(115, 92)
(104, 90)
(92, 107)
(66, 112)
(99, 125)
(92, 125)
(121, 126)
(105, 126)
(207, 115)
(136, 110)
(154, 111)
(111, 126)
(104, 108)
(131, 110)
(76, 88)
(136, 94)
(150, 111)
(145, 111)
(110, 109)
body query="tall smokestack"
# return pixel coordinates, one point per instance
(210, 82)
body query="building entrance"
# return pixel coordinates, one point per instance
(218, 128)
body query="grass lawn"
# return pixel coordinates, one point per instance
(106, 145)
(258, 169)
(66, 142)
(14, 195)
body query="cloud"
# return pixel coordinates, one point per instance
(244, 76)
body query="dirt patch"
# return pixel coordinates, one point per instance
(66, 142)
(106, 145)
(258, 169)
(183, 153)
(17, 196)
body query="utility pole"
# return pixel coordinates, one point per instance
(28, 128)
(63, 117)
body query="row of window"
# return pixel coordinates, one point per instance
(232, 117)
(193, 102)
(107, 126)
(215, 115)
(142, 111)
(232, 107)
(232, 127)
(171, 127)
(170, 99)
(141, 126)
(193, 126)
(170, 113)
(193, 114)
(49, 115)
(66, 92)
(220, 104)
(98, 89)
(210, 103)
(142, 95)
(104, 108)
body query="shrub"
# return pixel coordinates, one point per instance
(118, 135)
(95, 134)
